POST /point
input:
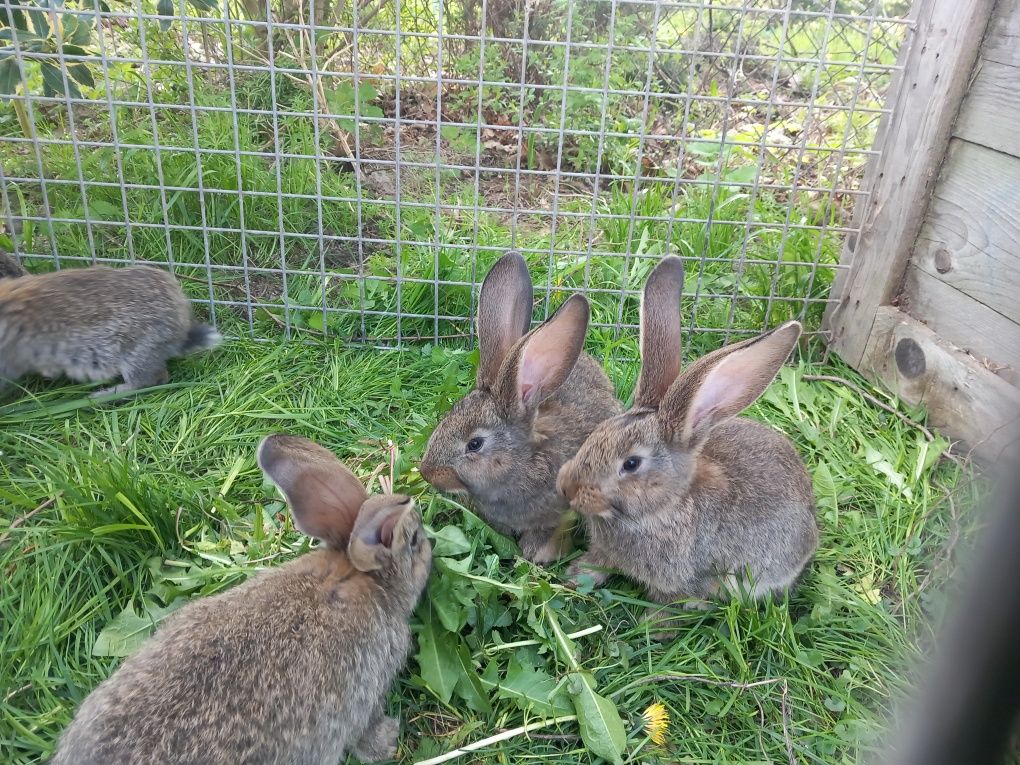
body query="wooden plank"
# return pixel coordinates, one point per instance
(926, 98)
(991, 111)
(1002, 43)
(964, 400)
(971, 235)
(957, 318)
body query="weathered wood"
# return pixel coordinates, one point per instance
(1002, 43)
(971, 235)
(964, 400)
(957, 318)
(990, 114)
(926, 98)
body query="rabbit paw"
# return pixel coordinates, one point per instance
(584, 566)
(542, 549)
(379, 742)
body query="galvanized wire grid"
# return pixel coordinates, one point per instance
(310, 170)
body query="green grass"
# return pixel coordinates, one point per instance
(122, 511)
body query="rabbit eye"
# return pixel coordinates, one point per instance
(631, 464)
(416, 539)
(475, 444)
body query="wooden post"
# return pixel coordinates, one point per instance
(937, 60)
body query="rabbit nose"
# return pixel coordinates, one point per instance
(442, 478)
(567, 486)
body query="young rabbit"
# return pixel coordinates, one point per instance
(675, 492)
(293, 665)
(537, 396)
(96, 323)
(9, 267)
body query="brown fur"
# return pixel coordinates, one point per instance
(9, 267)
(527, 436)
(290, 667)
(93, 324)
(711, 498)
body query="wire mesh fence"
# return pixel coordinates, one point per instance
(315, 168)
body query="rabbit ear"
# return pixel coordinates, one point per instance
(379, 532)
(504, 314)
(537, 367)
(724, 383)
(323, 495)
(660, 331)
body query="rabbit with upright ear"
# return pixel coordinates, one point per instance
(293, 665)
(537, 397)
(93, 324)
(679, 494)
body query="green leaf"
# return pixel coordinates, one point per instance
(533, 690)
(10, 75)
(126, 633)
(102, 210)
(315, 322)
(445, 604)
(825, 487)
(20, 23)
(165, 8)
(438, 662)
(81, 74)
(341, 99)
(601, 727)
(204, 5)
(449, 540)
(40, 23)
(469, 686)
(366, 92)
(566, 649)
(53, 80)
(77, 30)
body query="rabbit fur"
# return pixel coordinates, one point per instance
(537, 397)
(291, 667)
(677, 493)
(95, 323)
(9, 267)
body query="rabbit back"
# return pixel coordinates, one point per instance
(90, 323)
(288, 667)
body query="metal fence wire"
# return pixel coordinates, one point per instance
(309, 167)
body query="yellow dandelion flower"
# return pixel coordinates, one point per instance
(656, 723)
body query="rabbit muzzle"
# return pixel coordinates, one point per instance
(584, 499)
(442, 478)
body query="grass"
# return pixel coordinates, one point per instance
(114, 514)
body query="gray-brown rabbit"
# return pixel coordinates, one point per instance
(293, 665)
(537, 397)
(9, 267)
(95, 323)
(678, 494)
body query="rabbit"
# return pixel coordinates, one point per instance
(676, 493)
(92, 324)
(293, 665)
(537, 396)
(9, 267)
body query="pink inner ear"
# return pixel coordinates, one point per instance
(529, 376)
(725, 385)
(386, 530)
